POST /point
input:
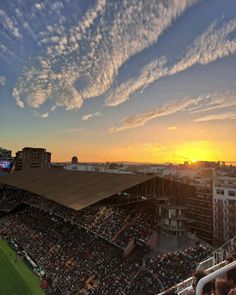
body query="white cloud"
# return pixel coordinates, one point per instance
(57, 5)
(41, 116)
(38, 6)
(210, 46)
(74, 130)
(155, 112)
(136, 26)
(206, 102)
(22, 20)
(9, 25)
(216, 100)
(19, 102)
(3, 80)
(217, 117)
(213, 44)
(37, 98)
(150, 73)
(6, 54)
(41, 83)
(53, 108)
(82, 62)
(45, 115)
(89, 116)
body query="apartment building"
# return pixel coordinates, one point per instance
(5, 155)
(224, 207)
(32, 158)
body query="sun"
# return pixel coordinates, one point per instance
(196, 151)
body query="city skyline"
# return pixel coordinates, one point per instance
(139, 81)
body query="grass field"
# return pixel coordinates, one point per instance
(16, 278)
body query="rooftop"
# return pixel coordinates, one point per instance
(74, 189)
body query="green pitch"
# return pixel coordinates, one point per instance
(15, 276)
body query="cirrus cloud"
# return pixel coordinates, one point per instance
(213, 44)
(81, 62)
(217, 117)
(155, 112)
(203, 103)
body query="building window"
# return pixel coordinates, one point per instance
(232, 193)
(220, 192)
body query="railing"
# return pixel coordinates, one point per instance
(212, 265)
(206, 263)
(179, 287)
(229, 244)
(224, 185)
(187, 284)
(213, 276)
(219, 255)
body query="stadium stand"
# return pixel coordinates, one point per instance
(219, 258)
(100, 249)
(73, 189)
(10, 197)
(72, 255)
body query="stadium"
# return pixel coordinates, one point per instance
(100, 233)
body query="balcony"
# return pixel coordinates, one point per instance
(231, 216)
(225, 185)
(172, 228)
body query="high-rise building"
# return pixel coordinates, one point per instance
(200, 208)
(224, 208)
(197, 197)
(5, 155)
(32, 158)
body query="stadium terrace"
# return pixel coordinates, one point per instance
(107, 243)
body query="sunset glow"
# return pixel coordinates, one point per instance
(140, 81)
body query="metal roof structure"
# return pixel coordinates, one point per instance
(74, 189)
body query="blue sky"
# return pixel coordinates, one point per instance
(119, 80)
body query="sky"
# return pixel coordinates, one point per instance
(124, 80)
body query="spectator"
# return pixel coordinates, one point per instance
(197, 276)
(70, 244)
(222, 287)
(232, 291)
(231, 277)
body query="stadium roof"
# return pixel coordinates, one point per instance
(74, 189)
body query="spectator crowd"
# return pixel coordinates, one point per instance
(117, 224)
(82, 251)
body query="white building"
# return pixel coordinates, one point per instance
(94, 168)
(80, 167)
(224, 207)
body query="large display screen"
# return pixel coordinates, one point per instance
(5, 165)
